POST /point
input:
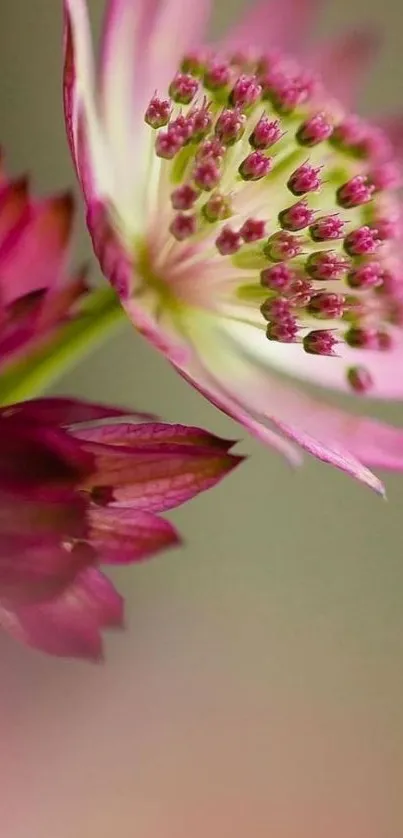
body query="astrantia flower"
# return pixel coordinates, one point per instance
(75, 493)
(249, 222)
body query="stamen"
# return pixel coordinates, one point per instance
(183, 88)
(228, 242)
(304, 179)
(359, 379)
(361, 242)
(355, 192)
(252, 230)
(366, 276)
(315, 130)
(320, 342)
(328, 228)
(230, 126)
(216, 208)
(265, 134)
(285, 331)
(183, 226)
(158, 112)
(245, 92)
(206, 175)
(326, 306)
(296, 217)
(282, 246)
(277, 278)
(184, 197)
(255, 166)
(217, 75)
(327, 265)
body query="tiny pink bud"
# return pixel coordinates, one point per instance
(277, 278)
(181, 128)
(320, 342)
(296, 217)
(206, 175)
(304, 179)
(282, 246)
(201, 123)
(183, 197)
(228, 241)
(183, 226)
(360, 379)
(326, 265)
(230, 126)
(167, 144)
(355, 192)
(211, 149)
(361, 338)
(216, 208)
(158, 112)
(277, 309)
(328, 228)
(283, 331)
(217, 75)
(265, 134)
(183, 88)
(252, 230)
(361, 242)
(255, 166)
(315, 130)
(366, 276)
(194, 62)
(245, 92)
(299, 292)
(326, 305)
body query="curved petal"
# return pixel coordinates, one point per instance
(64, 411)
(273, 24)
(124, 535)
(69, 625)
(230, 370)
(343, 64)
(90, 153)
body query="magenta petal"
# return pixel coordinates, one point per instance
(32, 571)
(69, 626)
(151, 433)
(273, 24)
(122, 536)
(13, 205)
(157, 477)
(64, 411)
(393, 127)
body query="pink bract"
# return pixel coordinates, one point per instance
(256, 129)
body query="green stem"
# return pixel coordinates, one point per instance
(100, 314)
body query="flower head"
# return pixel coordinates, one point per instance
(248, 220)
(82, 486)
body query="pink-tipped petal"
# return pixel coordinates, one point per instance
(123, 536)
(70, 625)
(344, 64)
(34, 254)
(272, 24)
(80, 107)
(141, 45)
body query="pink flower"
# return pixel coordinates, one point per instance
(81, 486)
(248, 221)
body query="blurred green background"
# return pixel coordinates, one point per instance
(258, 689)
